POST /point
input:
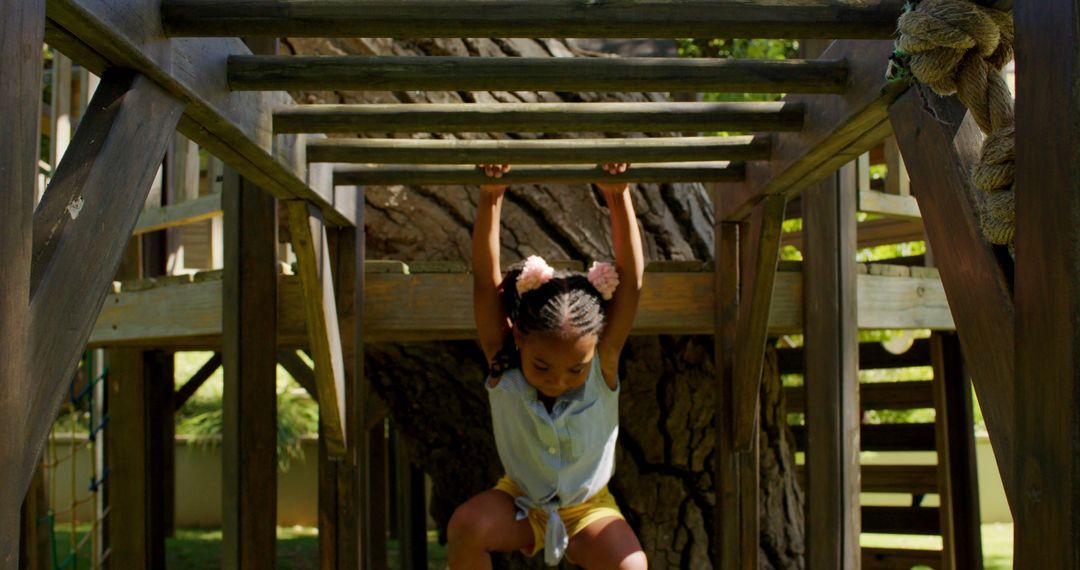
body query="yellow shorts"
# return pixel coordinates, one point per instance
(576, 518)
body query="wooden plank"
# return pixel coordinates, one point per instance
(756, 292)
(35, 542)
(940, 145)
(544, 151)
(435, 306)
(901, 520)
(885, 437)
(21, 33)
(875, 396)
(299, 370)
(899, 558)
(1046, 464)
(411, 507)
(901, 479)
(533, 18)
(88, 213)
(897, 182)
(181, 214)
(455, 73)
(889, 205)
(249, 401)
(236, 127)
(872, 356)
(831, 379)
(197, 380)
(130, 510)
(308, 233)
(539, 117)
(725, 315)
(461, 175)
(961, 530)
(837, 129)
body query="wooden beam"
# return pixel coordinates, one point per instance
(546, 151)
(454, 73)
(833, 413)
(197, 380)
(402, 308)
(872, 356)
(308, 233)
(885, 437)
(889, 205)
(299, 370)
(958, 481)
(87, 213)
(837, 129)
(236, 127)
(181, 214)
(469, 175)
(903, 395)
(940, 146)
(21, 34)
(756, 291)
(1047, 375)
(535, 18)
(539, 117)
(249, 402)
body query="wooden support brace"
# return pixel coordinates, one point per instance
(756, 286)
(88, 212)
(196, 381)
(531, 19)
(940, 146)
(540, 117)
(580, 174)
(454, 73)
(181, 214)
(308, 232)
(545, 151)
(299, 370)
(836, 131)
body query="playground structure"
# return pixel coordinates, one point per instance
(162, 72)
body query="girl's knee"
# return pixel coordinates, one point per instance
(469, 523)
(636, 561)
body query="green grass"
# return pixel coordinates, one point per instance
(997, 544)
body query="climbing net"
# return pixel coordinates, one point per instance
(74, 471)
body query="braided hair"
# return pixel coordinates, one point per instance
(567, 305)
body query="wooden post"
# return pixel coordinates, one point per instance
(411, 516)
(35, 548)
(249, 344)
(958, 479)
(831, 373)
(22, 30)
(1047, 387)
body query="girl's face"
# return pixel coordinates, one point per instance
(554, 364)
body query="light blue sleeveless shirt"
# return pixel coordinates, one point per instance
(558, 459)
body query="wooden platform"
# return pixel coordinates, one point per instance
(433, 301)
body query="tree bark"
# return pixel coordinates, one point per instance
(664, 479)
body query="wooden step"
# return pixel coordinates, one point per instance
(906, 479)
(875, 396)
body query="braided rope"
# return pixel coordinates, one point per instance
(957, 46)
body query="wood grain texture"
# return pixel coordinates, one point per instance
(889, 205)
(88, 212)
(533, 18)
(539, 117)
(756, 278)
(831, 378)
(235, 127)
(1047, 375)
(548, 151)
(454, 73)
(836, 131)
(308, 234)
(21, 33)
(725, 315)
(940, 146)
(249, 400)
(462, 175)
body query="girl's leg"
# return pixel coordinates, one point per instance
(607, 544)
(484, 524)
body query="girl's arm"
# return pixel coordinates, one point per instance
(630, 263)
(491, 321)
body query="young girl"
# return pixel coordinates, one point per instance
(553, 340)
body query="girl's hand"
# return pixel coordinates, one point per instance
(614, 187)
(494, 171)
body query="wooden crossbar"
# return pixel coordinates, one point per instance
(562, 151)
(540, 117)
(189, 212)
(571, 174)
(452, 73)
(532, 18)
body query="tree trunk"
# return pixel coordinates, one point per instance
(664, 479)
